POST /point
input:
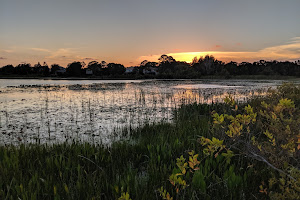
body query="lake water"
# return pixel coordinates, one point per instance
(53, 111)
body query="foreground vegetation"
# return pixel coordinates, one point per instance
(219, 151)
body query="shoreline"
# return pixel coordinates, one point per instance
(241, 77)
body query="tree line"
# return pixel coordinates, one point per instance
(166, 67)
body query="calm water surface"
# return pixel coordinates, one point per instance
(53, 111)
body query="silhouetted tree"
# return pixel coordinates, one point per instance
(7, 70)
(231, 67)
(194, 61)
(45, 69)
(75, 68)
(41, 70)
(207, 65)
(23, 69)
(143, 63)
(115, 69)
(146, 65)
(151, 64)
(36, 68)
(54, 68)
(167, 67)
(182, 70)
(244, 68)
(95, 67)
(165, 58)
(103, 64)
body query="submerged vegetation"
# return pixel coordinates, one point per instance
(211, 151)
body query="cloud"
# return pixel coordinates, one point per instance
(8, 51)
(40, 50)
(218, 46)
(65, 55)
(32, 54)
(2, 58)
(89, 59)
(289, 51)
(62, 53)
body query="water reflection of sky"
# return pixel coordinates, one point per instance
(91, 112)
(199, 86)
(17, 82)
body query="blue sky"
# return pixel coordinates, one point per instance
(128, 31)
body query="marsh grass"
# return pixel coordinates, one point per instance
(139, 163)
(91, 112)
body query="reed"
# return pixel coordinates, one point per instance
(138, 161)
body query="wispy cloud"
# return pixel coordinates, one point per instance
(63, 56)
(286, 51)
(40, 50)
(62, 53)
(8, 51)
(289, 51)
(89, 59)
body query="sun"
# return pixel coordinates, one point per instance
(188, 56)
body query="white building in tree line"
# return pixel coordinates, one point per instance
(88, 71)
(129, 70)
(60, 71)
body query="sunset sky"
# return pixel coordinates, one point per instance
(130, 31)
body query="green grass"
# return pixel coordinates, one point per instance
(86, 171)
(138, 164)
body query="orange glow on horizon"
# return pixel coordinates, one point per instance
(285, 52)
(222, 56)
